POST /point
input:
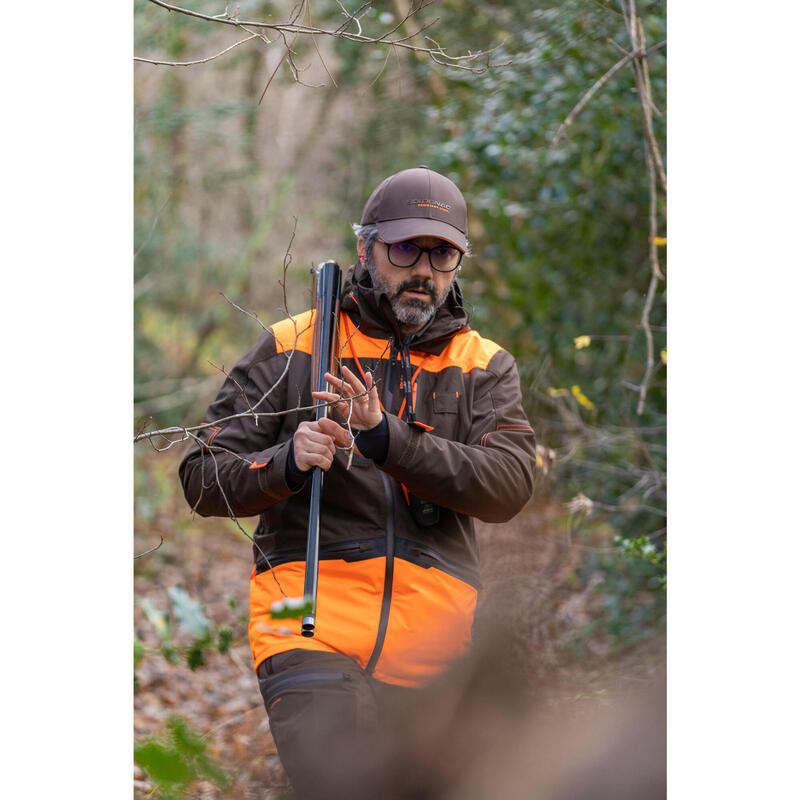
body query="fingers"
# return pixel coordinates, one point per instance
(372, 396)
(358, 405)
(358, 387)
(349, 386)
(313, 446)
(336, 432)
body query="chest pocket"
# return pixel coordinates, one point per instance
(445, 402)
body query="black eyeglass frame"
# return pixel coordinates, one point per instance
(422, 250)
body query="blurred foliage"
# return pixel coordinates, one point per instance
(190, 618)
(559, 234)
(176, 760)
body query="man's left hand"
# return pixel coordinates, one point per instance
(366, 408)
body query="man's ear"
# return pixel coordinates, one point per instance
(361, 247)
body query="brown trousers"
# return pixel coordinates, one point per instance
(325, 715)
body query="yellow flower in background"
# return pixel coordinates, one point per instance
(663, 356)
(582, 341)
(661, 241)
(582, 398)
(553, 392)
(539, 461)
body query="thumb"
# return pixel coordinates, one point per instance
(330, 428)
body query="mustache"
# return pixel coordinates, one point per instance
(420, 285)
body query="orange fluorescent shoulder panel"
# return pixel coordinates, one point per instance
(300, 328)
(466, 350)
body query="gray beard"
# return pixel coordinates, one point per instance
(412, 313)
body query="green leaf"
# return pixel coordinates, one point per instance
(291, 608)
(163, 764)
(186, 741)
(188, 612)
(224, 639)
(175, 762)
(170, 653)
(194, 655)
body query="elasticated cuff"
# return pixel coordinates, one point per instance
(374, 443)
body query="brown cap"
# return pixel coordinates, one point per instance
(418, 202)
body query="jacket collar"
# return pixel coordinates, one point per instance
(371, 311)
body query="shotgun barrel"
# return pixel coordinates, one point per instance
(326, 327)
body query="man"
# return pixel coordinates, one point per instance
(440, 437)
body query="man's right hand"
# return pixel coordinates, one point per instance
(315, 443)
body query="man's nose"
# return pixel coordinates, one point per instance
(423, 267)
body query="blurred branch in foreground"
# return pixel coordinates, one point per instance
(299, 24)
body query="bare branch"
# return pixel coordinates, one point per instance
(232, 515)
(152, 227)
(642, 86)
(375, 79)
(250, 314)
(655, 276)
(275, 71)
(294, 28)
(316, 47)
(151, 550)
(199, 61)
(598, 85)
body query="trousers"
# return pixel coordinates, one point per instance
(326, 716)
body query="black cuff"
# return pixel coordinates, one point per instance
(295, 477)
(374, 443)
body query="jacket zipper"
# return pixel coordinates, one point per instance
(386, 600)
(408, 389)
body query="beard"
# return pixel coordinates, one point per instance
(412, 312)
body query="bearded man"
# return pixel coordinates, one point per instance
(440, 438)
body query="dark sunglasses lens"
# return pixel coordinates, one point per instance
(403, 254)
(445, 258)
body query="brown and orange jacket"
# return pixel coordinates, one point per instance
(396, 596)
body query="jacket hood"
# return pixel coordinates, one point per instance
(371, 310)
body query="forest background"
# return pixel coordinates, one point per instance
(249, 168)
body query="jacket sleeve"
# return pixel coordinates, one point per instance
(237, 467)
(490, 476)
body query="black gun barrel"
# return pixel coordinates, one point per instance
(326, 322)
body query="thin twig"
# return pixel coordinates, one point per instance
(277, 66)
(199, 61)
(639, 66)
(655, 277)
(316, 46)
(598, 85)
(152, 227)
(292, 27)
(231, 513)
(151, 550)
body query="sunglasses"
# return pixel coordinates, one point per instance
(443, 258)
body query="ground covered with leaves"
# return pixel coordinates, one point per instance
(586, 631)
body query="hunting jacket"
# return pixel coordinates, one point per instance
(398, 571)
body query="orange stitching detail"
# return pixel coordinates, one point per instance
(216, 429)
(256, 465)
